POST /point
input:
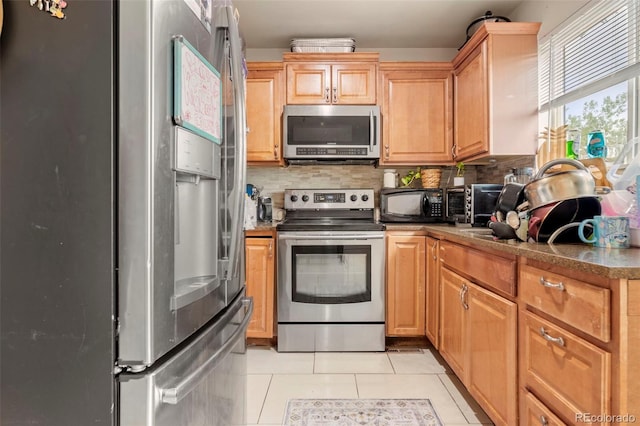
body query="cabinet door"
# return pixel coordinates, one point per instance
(417, 117)
(536, 413)
(432, 291)
(265, 100)
(308, 83)
(492, 350)
(260, 262)
(570, 374)
(471, 129)
(353, 83)
(405, 285)
(453, 324)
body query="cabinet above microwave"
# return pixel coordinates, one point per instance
(331, 78)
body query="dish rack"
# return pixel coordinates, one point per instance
(323, 45)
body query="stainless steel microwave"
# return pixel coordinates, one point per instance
(344, 134)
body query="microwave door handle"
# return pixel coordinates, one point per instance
(425, 204)
(372, 129)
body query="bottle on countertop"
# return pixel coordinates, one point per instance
(596, 145)
(573, 144)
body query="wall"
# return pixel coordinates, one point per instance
(274, 180)
(550, 12)
(430, 55)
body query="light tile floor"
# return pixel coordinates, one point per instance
(274, 378)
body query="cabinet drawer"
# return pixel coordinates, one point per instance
(536, 413)
(574, 302)
(571, 374)
(493, 271)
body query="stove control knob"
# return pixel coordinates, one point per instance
(365, 197)
(305, 198)
(294, 198)
(354, 198)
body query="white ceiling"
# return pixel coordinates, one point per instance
(268, 24)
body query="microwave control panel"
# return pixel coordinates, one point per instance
(331, 151)
(434, 203)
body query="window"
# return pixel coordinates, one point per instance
(589, 72)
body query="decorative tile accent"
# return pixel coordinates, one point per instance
(272, 181)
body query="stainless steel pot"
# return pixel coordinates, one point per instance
(559, 186)
(475, 24)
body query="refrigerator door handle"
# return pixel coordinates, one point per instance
(190, 290)
(175, 394)
(237, 74)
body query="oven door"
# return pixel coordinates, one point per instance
(456, 206)
(329, 277)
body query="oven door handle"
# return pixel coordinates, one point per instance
(329, 236)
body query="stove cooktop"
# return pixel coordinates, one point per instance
(328, 224)
(329, 210)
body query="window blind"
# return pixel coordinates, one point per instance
(596, 49)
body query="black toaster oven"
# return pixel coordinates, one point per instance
(473, 204)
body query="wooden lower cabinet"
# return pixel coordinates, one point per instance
(405, 306)
(492, 343)
(453, 323)
(536, 413)
(570, 373)
(260, 277)
(432, 291)
(478, 338)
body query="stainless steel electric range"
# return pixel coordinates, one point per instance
(330, 272)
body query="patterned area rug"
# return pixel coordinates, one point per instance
(348, 412)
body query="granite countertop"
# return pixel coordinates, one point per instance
(610, 263)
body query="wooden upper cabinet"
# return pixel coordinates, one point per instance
(331, 78)
(472, 131)
(496, 93)
(265, 102)
(417, 113)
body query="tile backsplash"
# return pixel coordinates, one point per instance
(272, 181)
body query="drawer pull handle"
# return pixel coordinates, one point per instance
(433, 250)
(557, 340)
(463, 296)
(559, 286)
(544, 421)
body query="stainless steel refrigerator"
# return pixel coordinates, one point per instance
(122, 180)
